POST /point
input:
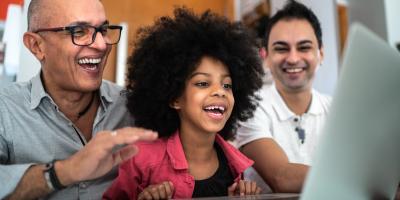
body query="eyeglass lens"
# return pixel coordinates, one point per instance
(86, 35)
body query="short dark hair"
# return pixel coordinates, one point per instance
(295, 10)
(168, 52)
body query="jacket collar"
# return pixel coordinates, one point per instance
(236, 160)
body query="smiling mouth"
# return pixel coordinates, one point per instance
(215, 109)
(90, 64)
(293, 70)
(215, 112)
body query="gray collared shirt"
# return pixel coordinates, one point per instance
(34, 131)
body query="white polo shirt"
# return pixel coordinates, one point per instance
(273, 119)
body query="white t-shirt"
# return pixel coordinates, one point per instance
(273, 119)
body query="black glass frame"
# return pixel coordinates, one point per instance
(71, 30)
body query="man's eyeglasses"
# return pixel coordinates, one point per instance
(84, 35)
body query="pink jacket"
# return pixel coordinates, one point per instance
(164, 160)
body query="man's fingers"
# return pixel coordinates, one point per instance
(118, 139)
(135, 134)
(124, 154)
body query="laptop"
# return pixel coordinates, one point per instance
(359, 152)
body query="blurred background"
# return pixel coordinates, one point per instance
(17, 63)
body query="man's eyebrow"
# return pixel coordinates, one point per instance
(85, 23)
(280, 43)
(305, 42)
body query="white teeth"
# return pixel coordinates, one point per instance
(220, 108)
(294, 70)
(93, 61)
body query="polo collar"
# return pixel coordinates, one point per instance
(282, 110)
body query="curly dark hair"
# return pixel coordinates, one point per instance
(168, 52)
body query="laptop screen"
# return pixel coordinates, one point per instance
(359, 153)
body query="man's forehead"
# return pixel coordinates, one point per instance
(68, 12)
(299, 30)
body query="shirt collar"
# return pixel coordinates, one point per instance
(284, 113)
(38, 92)
(106, 92)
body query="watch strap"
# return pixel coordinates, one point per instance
(46, 175)
(52, 176)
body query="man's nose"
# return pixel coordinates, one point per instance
(293, 57)
(99, 42)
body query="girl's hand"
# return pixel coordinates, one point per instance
(163, 190)
(243, 188)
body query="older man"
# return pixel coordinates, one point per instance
(51, 140)
(282, 135)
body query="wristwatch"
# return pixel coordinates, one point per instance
(51, 177)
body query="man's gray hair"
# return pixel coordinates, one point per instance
(38, 14)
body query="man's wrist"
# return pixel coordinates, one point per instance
(52, 180)
(46, 174)
(64, 173)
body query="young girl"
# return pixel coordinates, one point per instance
(190, 79)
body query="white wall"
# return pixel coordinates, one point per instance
(381, 16)
(370, 13)
(392, 8)
(12, 33)
(326, 11)
(29, 65)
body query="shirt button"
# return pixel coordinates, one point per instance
(296, 119)
(83, 185)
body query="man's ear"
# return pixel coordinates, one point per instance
(321, 53)
(266, 60)
(33, 42)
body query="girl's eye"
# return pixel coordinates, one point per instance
(201, 84)
(227, 86)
